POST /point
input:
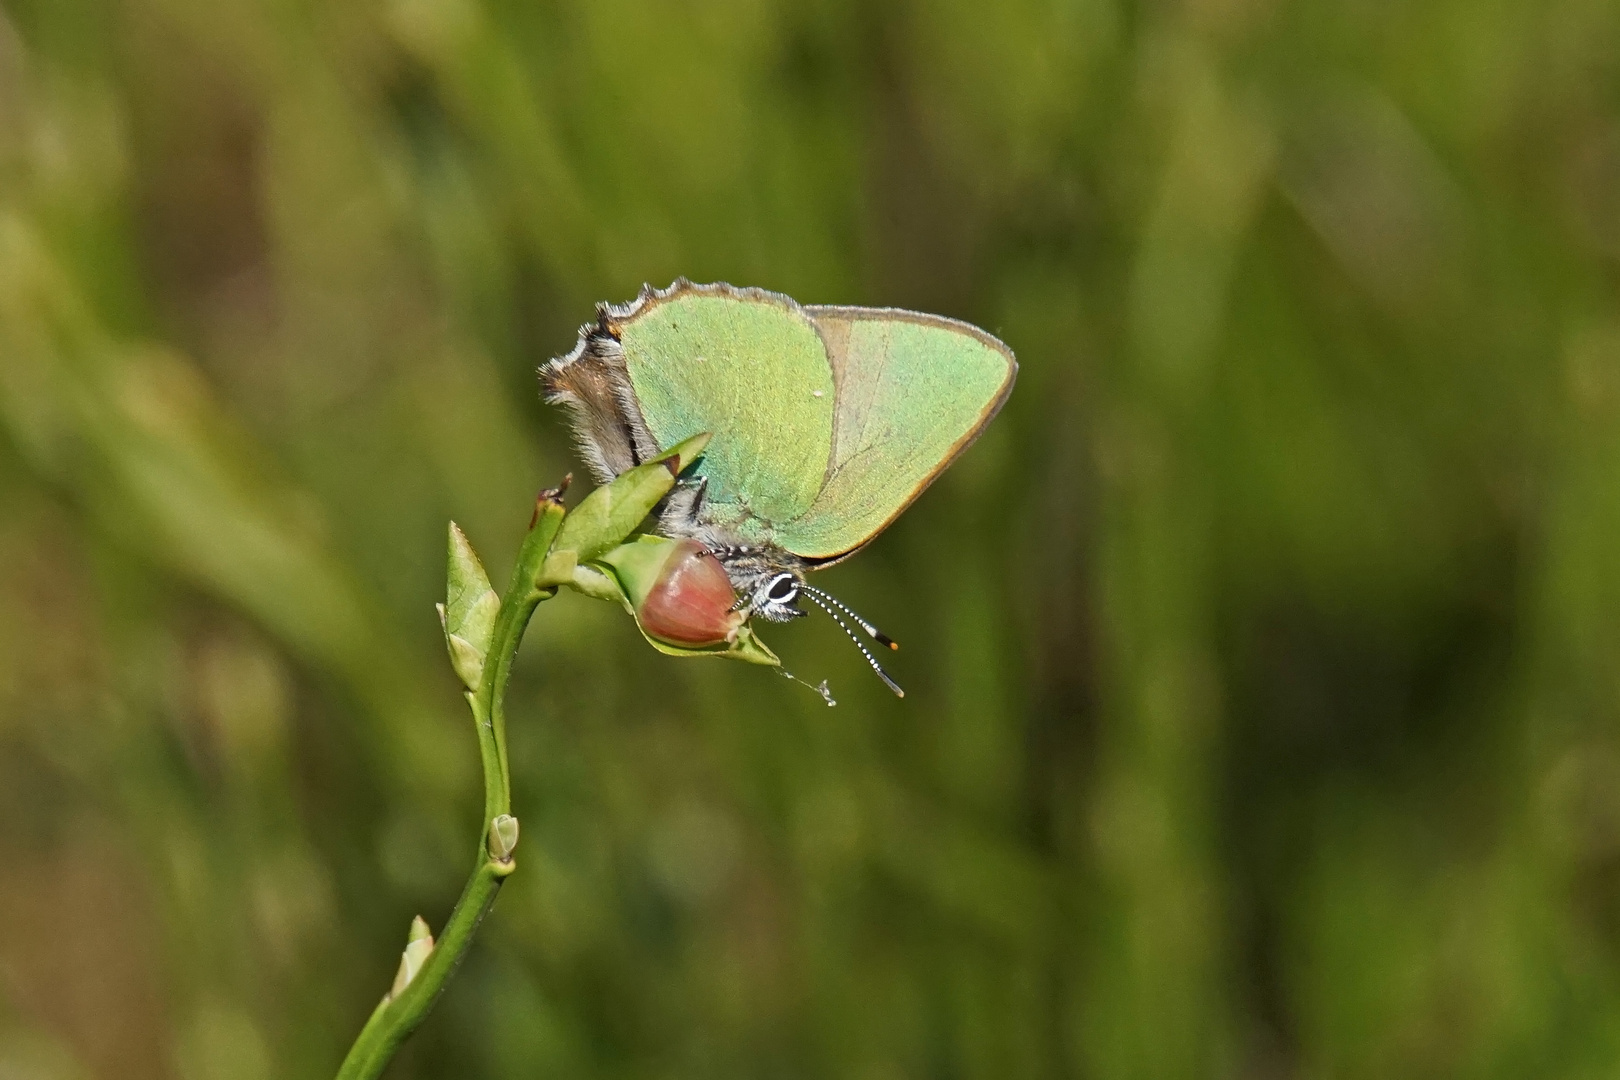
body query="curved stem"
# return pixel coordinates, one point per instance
(395, 1018)
(398, 1015)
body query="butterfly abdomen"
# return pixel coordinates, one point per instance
(592, 383)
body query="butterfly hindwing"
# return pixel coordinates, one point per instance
(913, 391)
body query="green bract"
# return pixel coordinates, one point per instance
(611, 512)
(468, 613)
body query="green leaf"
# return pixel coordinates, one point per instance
(469, 611)
(467, 661)
(613, 511)
(747, 647)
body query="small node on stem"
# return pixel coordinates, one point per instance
(503, 838)
(418, 947)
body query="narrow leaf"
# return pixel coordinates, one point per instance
(613, 511)
(470, 604)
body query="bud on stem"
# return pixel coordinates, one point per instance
(503, 838)
(469, 611)
(418, 947)
(678, 591)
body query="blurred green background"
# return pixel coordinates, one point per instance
(1263, 658)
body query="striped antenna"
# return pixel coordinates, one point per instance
(815, 596)
(876, 635)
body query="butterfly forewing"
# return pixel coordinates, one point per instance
(749, 367)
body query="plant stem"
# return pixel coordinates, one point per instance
(397, 1016)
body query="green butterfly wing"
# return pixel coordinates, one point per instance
(827, 421)
(913, 392)
(749, 366)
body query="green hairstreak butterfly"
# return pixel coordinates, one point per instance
(827, 422)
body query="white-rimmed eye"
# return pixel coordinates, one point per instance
(782, 589)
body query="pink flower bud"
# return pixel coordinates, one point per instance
(691, 601)
(679, 591)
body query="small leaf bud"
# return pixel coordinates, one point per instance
(503, 837)
(418, 947)
(469, 611)
(468, 661)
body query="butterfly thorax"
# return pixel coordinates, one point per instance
(767, 579)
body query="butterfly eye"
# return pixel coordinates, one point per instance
(782, 589)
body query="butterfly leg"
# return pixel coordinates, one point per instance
(682, 507)
(679, 516)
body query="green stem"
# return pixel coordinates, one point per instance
(396, 1017)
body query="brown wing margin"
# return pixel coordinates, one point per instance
(593, 384)
(827, 319)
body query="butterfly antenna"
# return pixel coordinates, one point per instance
(815, 598)
(876, 635)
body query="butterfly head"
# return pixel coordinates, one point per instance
(770, 589)
(775, 599)
(768, 580)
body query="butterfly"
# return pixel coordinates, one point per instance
(827, 423)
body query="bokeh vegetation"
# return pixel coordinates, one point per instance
(1262, 658)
